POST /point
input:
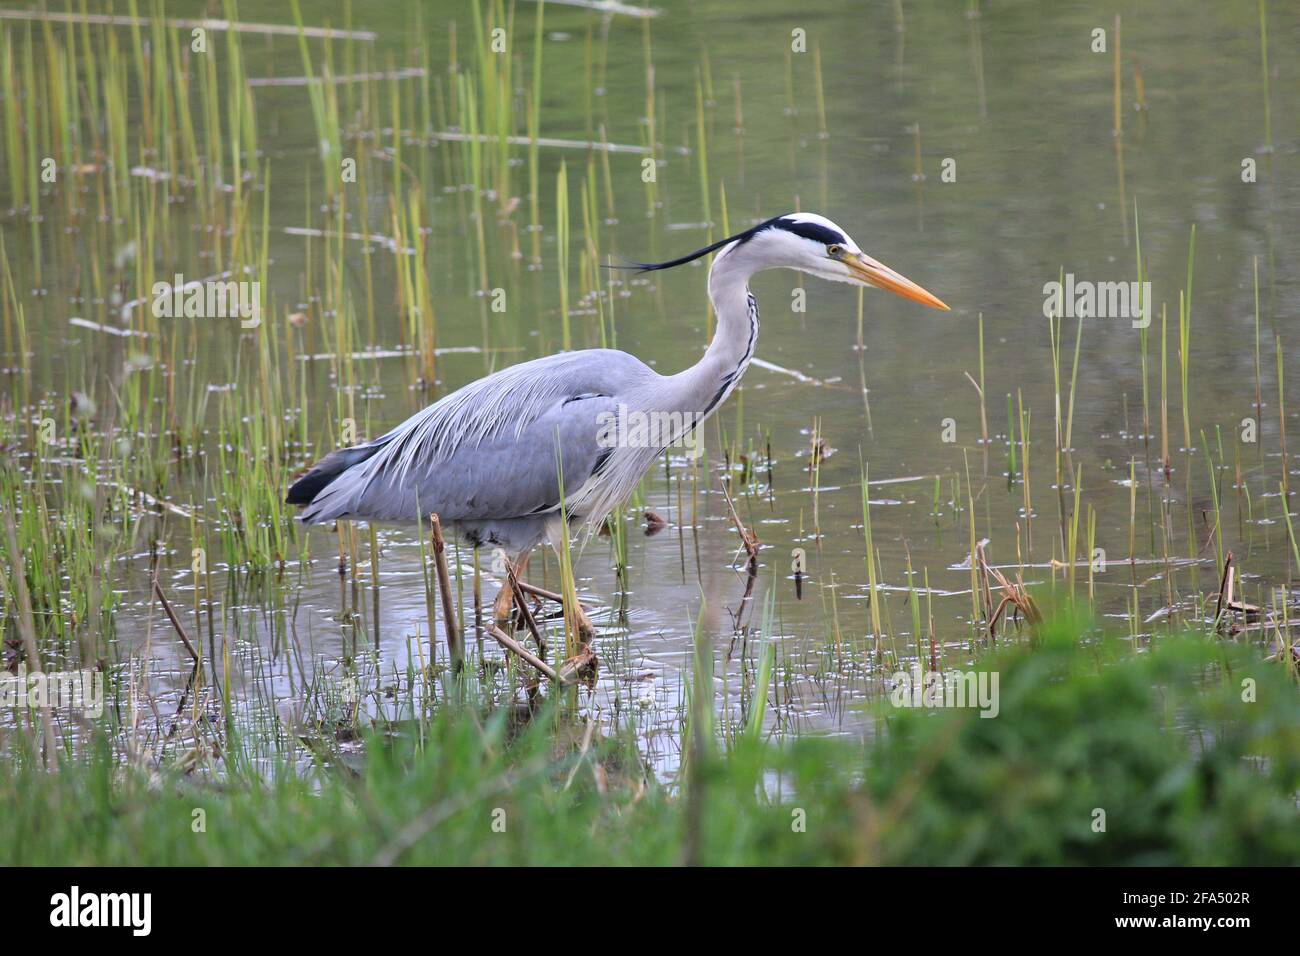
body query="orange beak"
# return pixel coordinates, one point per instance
(881, 276)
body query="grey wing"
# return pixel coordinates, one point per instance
(493, 450)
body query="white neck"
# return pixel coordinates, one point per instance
(704, 386)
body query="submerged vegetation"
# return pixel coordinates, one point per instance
(421, 198)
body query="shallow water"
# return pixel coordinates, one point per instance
(1021, 105)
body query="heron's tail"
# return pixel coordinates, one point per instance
(306, 489)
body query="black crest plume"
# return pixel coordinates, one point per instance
(741, 237)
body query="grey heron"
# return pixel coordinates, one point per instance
(511, 459)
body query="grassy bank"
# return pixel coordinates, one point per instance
(1188, 753)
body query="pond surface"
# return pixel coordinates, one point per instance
(971, 147)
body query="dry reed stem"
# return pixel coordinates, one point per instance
(510, 644)
(189, 647)
(747, 537)
(450, 621)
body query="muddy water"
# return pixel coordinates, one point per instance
(1010, 116)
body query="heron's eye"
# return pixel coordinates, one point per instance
(835, 251)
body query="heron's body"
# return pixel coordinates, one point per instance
(488, 458)
(464, 457)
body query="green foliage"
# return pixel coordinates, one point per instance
(1185, 771)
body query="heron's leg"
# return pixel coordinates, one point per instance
(575, 612)
(586, 630)
(581, 667)
(505, 602)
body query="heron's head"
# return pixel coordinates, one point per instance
(815, 245)
(812, 244)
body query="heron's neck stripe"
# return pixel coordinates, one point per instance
(732, 376)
